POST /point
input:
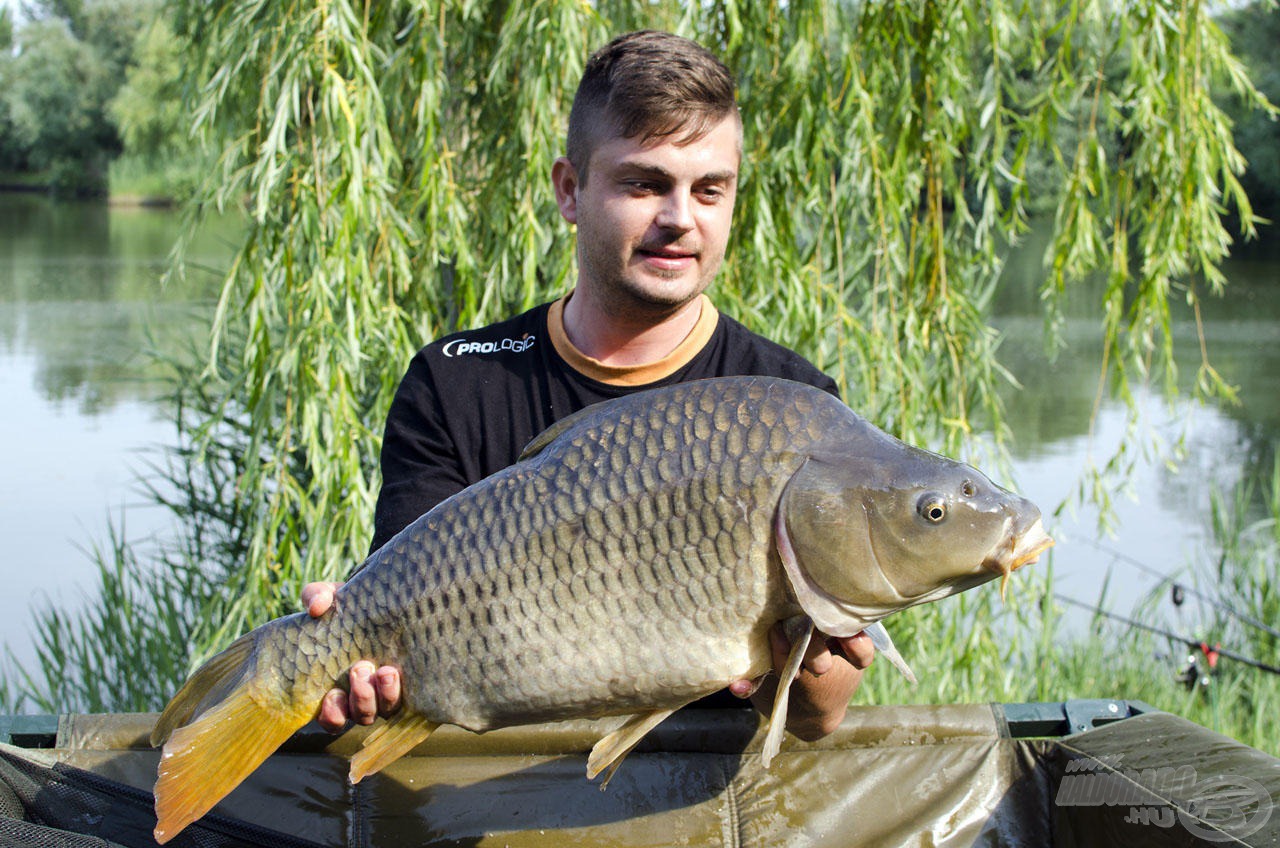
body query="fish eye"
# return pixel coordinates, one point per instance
(968, 489)
(932, 507)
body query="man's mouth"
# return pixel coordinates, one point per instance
(667, 258)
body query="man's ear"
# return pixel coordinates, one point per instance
(565, 179)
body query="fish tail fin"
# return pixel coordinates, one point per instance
(239, 720)
(389, 742)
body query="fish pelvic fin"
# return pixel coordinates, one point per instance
(799, 631)
(883, 643)
(608, 753)
(203, 761)
(389, 742)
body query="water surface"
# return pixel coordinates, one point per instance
(80, 305)
(1185, 452)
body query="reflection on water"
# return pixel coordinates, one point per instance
(80, 303)
(1161, 513)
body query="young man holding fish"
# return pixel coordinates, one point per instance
(650, 179)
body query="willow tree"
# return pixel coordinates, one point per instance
(394, 158)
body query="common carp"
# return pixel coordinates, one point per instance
(632, 561)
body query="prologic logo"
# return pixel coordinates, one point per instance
(462, 347)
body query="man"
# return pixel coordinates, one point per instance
(649, 180)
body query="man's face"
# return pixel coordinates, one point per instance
(653, 219)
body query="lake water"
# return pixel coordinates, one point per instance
(79, 290)
(82, 409)
(1161, 519)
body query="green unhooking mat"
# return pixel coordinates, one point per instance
(890, 776)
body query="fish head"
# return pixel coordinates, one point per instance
(874, 532)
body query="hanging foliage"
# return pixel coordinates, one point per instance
(395, 159)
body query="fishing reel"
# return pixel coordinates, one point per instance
(1200, 668)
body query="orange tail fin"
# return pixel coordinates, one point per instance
(241, 717)
(204, 761)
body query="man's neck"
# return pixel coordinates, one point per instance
(626, 340)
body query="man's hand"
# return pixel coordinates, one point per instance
(372, 691)
(829, 675)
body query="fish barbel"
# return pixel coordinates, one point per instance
(631, 562)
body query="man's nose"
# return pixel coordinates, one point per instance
(676, 212)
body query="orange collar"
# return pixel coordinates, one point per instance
(632, 375)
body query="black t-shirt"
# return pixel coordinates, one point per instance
(471, 402)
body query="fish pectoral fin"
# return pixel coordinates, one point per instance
(799, 631)
(884, 646)
(389, 742)
(608, 753)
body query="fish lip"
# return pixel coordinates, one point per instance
(1022, 549)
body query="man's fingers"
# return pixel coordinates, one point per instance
(362, 697)
(387, 684)
(858, 649)
(318, 597)
(817, 657)
(371, 692)
(333, 711)
(745, 688)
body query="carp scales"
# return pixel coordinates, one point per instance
(632, 561)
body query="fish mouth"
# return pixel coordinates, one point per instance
(1023, 549)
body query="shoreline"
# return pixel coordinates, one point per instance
(122, 199)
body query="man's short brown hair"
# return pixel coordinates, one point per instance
(648, 85)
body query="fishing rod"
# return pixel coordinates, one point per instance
(1183, 588)
(1211, 652)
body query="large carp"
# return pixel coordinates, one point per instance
(631, 562)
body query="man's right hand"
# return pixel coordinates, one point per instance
(372, 691)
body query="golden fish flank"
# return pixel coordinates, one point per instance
(697, 515)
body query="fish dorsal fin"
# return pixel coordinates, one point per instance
(390, 742)
(799, 631)
(553, 432)
(608, 753)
